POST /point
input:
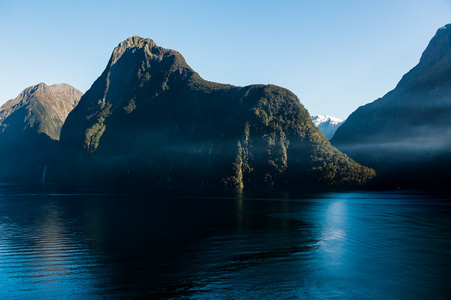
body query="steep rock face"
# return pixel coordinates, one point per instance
(406, 135)
(327, 125)
(30, 126)
(43, 107)
(149, 118)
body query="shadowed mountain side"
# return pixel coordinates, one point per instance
(149, 118)
(30, 126)
(406, 135)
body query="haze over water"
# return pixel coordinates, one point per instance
(204, 244)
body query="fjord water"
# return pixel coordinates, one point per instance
(227, 245)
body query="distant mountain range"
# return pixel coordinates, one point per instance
(149, 119)
(30, 127)
(327, 125)
(406, 135)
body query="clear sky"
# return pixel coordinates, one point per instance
(334, 55)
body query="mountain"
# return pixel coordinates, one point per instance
(327, 125)
(150, 119)
(30, 127)
(406, 135)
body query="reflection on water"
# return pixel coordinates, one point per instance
(204, 245)
(334, 232)
(39, 252)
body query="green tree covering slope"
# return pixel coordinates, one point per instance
(149, 118)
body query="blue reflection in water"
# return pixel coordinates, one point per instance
(230, 245)
(333, 236)
(40, 253)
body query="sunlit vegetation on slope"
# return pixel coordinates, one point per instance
(150, 119)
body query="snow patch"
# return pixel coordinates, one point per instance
(327, 125)
(318, 119)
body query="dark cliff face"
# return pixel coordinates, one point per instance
(30, 127)
(149, 118)
(406, 135)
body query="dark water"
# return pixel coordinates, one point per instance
(205, 245)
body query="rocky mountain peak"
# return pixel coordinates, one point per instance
(137, 41)
(434, 63)
(30, 126)
(151, 119)
(445, 27)
(133, 44)
(405, 134)
(43, 106)
(439, 46)
(40, 86)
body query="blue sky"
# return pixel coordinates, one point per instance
(334, 55)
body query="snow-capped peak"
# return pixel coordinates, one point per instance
(318, 119)
(327, 124)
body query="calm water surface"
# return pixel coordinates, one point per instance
(228, 245)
